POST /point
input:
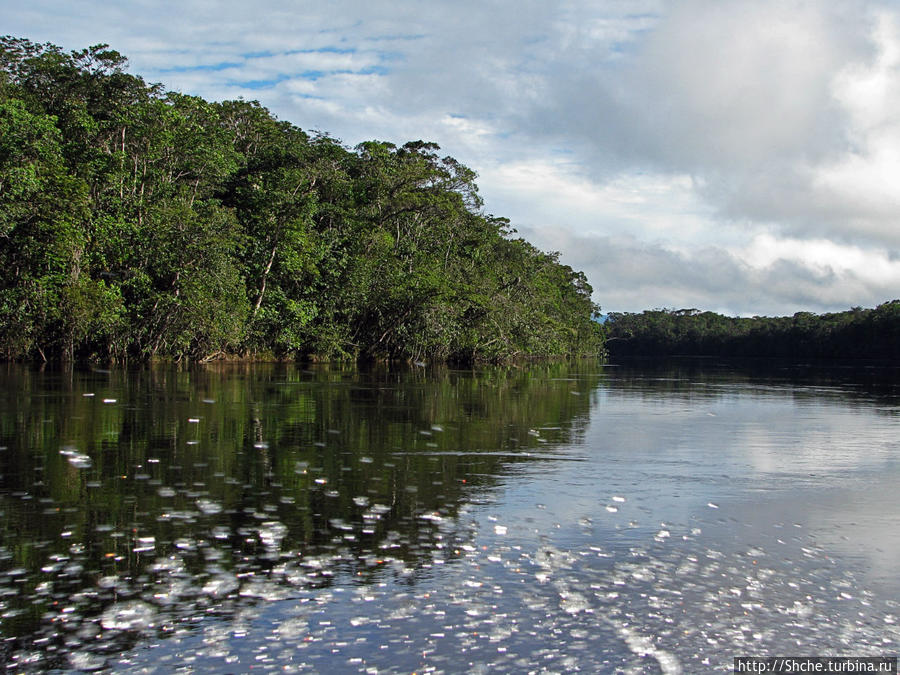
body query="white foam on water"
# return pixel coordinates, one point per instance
(641, 645)
(129, 615)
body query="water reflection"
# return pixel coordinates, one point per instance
(651, 518)
(844, 382)
(133, 501)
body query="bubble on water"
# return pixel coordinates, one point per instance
(110, 582)
(81, 461)
(366, 460)
(477, 609)
(643, 646)
(271, 533)
(165, 492)
(801, 610)
(85, 661)
(500, 529)
(340, 524)
(144, 544)
(129, 615)
(573, 602)
(643, 574)
(209, 507)
(361, 501)
(262, 589)
(77, 459)
(221, 585)
(293, 628)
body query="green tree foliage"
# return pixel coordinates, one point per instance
(856, 333)
(141, 223)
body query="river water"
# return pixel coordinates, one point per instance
(653, 518)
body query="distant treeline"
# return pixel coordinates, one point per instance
(856, 333)
(137, 222)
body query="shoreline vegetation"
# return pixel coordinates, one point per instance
(143, 224)
(858, 333)
(140, 224)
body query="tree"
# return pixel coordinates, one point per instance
(141, 223)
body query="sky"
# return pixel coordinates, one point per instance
(738, 156)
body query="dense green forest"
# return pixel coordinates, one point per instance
(141, 223)
(856, 333)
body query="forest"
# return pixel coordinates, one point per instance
(855, 333)
(138, 223)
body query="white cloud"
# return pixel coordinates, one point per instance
(743, 82)
(723, 154)
(770, 276)
(872, 266)
(862, 185)
(651, 203)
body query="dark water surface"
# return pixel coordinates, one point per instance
(548, 518)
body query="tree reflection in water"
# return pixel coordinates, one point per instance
(135, 502)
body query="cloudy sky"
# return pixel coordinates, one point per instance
(741, 156)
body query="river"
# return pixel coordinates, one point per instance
(568, 517)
